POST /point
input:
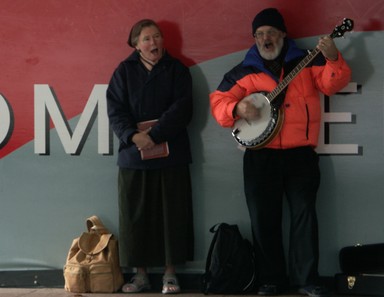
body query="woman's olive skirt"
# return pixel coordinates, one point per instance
(155, 217)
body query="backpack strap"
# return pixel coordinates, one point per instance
(95, 225)
(215, 227)
(207, 275)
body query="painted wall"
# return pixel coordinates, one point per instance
(58, 155)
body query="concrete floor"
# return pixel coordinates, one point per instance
(51, 283)
(59, 292)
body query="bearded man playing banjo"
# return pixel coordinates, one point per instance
(281, 161)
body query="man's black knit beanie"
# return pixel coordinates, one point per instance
(269, 17)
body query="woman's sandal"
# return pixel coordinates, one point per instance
(170, 284)
(138, 283)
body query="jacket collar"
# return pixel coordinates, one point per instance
(253, 58)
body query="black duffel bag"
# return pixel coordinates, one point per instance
(366, 258)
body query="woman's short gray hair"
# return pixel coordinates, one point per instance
(137, 28)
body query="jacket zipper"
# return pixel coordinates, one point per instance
(307, 129)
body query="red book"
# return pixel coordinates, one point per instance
(160, 150)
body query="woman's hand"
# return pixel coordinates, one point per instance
(142, 140)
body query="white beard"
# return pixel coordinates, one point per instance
(271, 55)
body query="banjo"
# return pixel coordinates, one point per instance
(261, 131)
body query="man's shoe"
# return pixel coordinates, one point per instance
(314, 291)
(268, 290)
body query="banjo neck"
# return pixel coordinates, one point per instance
(284, 83)
(347, 25)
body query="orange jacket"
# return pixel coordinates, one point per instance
(302, 110)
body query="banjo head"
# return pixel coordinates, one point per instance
(255, 133)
